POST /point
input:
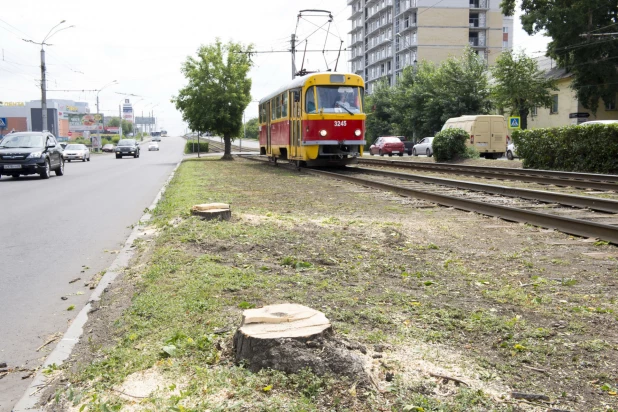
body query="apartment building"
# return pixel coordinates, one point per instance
(388, 35)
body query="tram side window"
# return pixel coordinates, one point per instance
(284, 105)
(310, 101)
(273, 113)
(261, 113)
(278, 107)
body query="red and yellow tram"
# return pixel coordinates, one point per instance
(315, 120)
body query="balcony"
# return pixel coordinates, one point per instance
(476, 23)
(406, 5)
(404, 29)
(476, 42)
(479, 4)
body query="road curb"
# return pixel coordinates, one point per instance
(63, 349)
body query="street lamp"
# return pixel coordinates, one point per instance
(43, 85)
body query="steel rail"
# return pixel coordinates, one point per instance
(549, 177)
(603, 205)
(563, 224)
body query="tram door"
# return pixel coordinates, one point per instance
(295, 125)
(268, 130)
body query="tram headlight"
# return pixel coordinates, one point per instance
(358, 132)
(322, 133)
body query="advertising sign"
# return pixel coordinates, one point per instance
(12, 104)
(82, 122)
(127, 113)
(65, 110)
(144, 120)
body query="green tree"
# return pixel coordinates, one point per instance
(252, 129)
(218, 90)
(114, 122)
(520, 86)
(378, 106)
(581, 42)
(127, 127)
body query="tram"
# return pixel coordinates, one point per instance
(315, 120)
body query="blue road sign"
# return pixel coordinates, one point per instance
(3, 123)
(514, 122)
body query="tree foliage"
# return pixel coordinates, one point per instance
(252, 130)
(379, 108)
(520, 86)
(218, 90)
(580, 41)
(428, 95)
(127, 127)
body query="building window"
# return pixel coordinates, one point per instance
(534, 112)
(554, 104)
(505, 44)
(611, 104)
(505, 30)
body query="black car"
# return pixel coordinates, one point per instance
(29, 153)
(127, 147)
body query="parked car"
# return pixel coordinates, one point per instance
(511, 153)
(425, 146)
(63, 145)
(108, 148)
(389, 145)
(408, 145)
(29, 153)
(76, 152)
(127, 147)
(488, 133)
(605, 122)
(153, 146)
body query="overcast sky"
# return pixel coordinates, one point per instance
(142, 45)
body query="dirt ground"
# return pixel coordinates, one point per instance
(425, 291)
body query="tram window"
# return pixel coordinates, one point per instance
(261, 113)
(310, 100)
(273, 113)
(339, 99)
(284, 105)
(278, 105)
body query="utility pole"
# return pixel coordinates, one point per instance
(120, 120)
(43, 91)
(293, 50)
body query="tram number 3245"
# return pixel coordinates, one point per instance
(340, 123)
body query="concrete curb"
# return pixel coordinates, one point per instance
(63, 349)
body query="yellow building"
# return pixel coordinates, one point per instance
(566, 109)
(388, 35)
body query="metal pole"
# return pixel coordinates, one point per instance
(98, 129)
(120, 117)
(244, 129)
(43, 91)
(293, 50)
(198, 144)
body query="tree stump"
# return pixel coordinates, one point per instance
(290, 338)
(210, 211)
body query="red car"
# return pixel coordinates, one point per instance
(389, 145)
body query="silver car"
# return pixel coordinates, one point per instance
(511, 152)
(604, 122)
(423, 147)
(76, 152)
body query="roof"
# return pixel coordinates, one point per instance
(551, 68)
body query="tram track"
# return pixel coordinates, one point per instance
(585, 181)
(576, 215)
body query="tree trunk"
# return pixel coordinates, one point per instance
(523, 113)
(227, 155)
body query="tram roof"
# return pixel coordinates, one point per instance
(299, 82)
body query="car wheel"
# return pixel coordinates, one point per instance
(60, 170)
(118, 156)
(428, 153)
(84, 159)
(380, 153)
(401, 154)
(88, 158)
(69, 160)
(509, 155)
(409, 152)
(15, 176)
(45, 173)
(135, 156)
(390, 155)
(414, 152)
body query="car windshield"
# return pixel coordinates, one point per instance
(126, 142)
(339, 99)
(23, 140)
(391, 140)
(75, 147)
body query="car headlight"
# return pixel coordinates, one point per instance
(35, 155)
(322, 133)
(358, 132)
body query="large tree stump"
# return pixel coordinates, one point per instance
(290, 338)
(210, 211)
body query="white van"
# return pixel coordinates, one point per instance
(488, 133)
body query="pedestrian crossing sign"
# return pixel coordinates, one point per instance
(514, 122)
(2, 122)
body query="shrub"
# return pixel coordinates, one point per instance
(591, 149)
(450, 144)
(192, 146)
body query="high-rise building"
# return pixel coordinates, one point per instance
(388, 35)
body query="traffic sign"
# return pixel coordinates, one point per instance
(514, 122)
(3, 123)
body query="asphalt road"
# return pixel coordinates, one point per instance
(51, 231)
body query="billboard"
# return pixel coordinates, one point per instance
(85, 122)
(64, 110)
(127, 112)
(144, 120)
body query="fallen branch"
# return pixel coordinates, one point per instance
(448, 378)
(536, 369)
(52, 339)
(74, 280)
(530, 396)
(132, 396)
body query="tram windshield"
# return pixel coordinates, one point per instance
(339, 99)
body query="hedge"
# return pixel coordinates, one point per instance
(191, 144)
(590, 149)
(450, 144)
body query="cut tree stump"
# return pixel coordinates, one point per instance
(290, 338)
(210, 211)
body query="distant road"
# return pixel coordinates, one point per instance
(51, 231)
